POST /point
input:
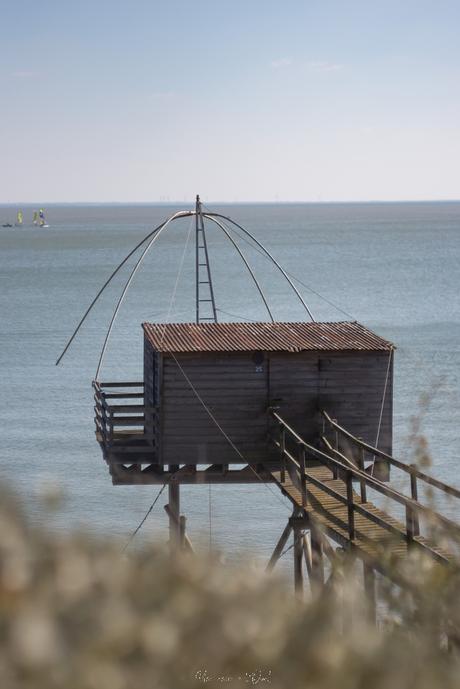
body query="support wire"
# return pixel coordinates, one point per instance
(243, 258)
(128, 283)
(144, 519)
(274, 261)
(297, 279)
(382, 407)
(183, 214)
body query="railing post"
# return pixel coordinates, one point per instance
(361, 468)
(182, 522)
(317, 563)
(409, 524)
(369, 588)
(174, 512)
(414, 494)
(350, 506)
(283, 456)
(303, 480)
(298, 557)
(335, 472)
(413, 482)
(110, 426)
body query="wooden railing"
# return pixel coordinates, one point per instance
(291, 444)
(363, 450)
(123, 422)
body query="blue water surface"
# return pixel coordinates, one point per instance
(393, 267)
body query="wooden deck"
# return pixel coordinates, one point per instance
(329, 488)
(125, 426)
(329, 492)
(373, 543)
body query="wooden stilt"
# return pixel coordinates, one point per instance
(369, 588)
(279, 548)
(317, 578)
(174, 512)
(307, 554)
(298, 557)
(182, 522)
(185, 540)
(328, 550)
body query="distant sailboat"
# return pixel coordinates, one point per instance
(35, 218)
(42, 222)
(19, 219)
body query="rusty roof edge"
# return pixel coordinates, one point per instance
(302, 336)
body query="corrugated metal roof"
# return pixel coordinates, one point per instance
(269, 337)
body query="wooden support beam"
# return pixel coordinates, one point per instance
(307, 554)
(298, 557)
(279, 548)
(182, 522)
(328, 550)
(369, 588)
(154, 475)
(174, 512)
(317, 578)
(186, 540)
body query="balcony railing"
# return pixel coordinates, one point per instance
(125, 426)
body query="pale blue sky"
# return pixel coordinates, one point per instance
(256, 100)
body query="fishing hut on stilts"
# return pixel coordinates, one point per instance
(304, 408)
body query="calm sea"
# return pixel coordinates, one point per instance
(394, 267)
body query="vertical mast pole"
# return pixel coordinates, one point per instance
(197, 259)
(203, 276)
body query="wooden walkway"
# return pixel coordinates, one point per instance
(328, 490)
(373, 543)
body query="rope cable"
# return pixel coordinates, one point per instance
(202, 401)
(106, 283)
(128, 283)
(144, 519)
(243, 258)
(142, 522)
(178, 276)
(297, 279)
(382, 406)
(262, 247)
(294, 277)
(229, 440)
(290, 547)
(235, 315)
(205, 406)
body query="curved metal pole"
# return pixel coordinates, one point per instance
(243, 258)
(180, 214)
(224, 217)
(106, 283)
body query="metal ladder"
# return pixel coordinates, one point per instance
(206, 311)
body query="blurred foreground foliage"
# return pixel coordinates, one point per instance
(75, 613)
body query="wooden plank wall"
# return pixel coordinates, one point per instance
(149, 374)
(150, 383)
(234, 392)
(351, 390)
(348, 385)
